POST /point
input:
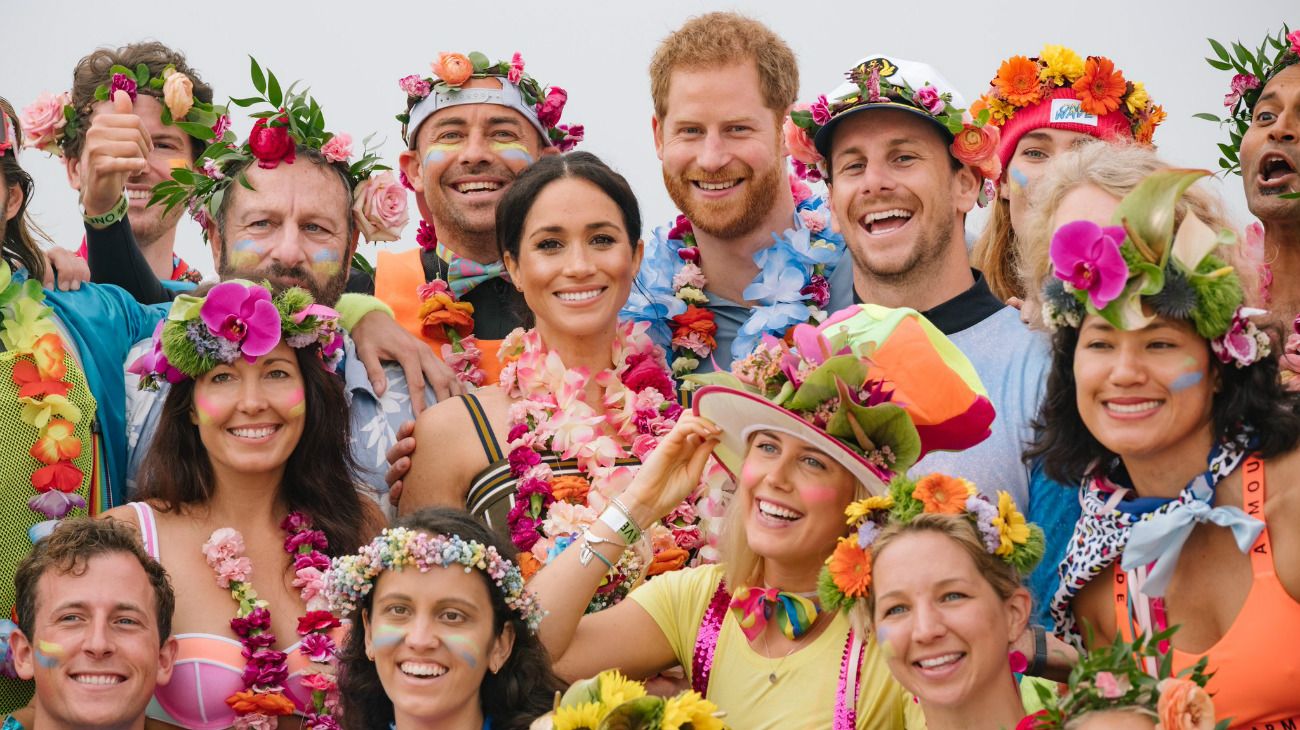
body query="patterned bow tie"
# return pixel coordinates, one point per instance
(754, 607)
(464, 274)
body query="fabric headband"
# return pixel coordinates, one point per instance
(507, 96)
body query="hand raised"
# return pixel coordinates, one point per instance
(117, 146)
(672, 471)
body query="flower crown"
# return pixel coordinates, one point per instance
(1115, 677)
(846, 576)
(541, 105)
(1112, 271)
(352, 577)
(236, 319)
(1100, 87)
(1252, 70)
(293, 118)
(974, 142)
(52, 119)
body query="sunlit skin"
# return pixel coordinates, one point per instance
(464, 160)
(900, 204)
(171, 148)
(250, 416)
(95, 653)
(947, 630)
(432, 640)
(1032, 157)
(294, 215)
(793, 533)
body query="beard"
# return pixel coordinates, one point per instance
(282, 277)
(728, 219)
(151, 224)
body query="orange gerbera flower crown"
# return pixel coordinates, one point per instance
(1006, 534)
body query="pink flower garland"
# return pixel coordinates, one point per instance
(263, 699)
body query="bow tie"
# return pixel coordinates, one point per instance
(464, 274)
(754, 607)
(1160, 539)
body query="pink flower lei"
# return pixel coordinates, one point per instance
(551, 415)
(263, 698)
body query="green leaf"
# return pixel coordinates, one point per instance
(479, 61)
(120, 69)
(360, 262)
(983, 117)
(156, 82)
(141, 74)
(1147, 212)
(183, 175)
(273, 93)
(197, 131)
(1289, 196)
(243, 180)
(246, 101)
(1228, 151)
(259, 81)
(101, 93)
(1219, 49)
(166, 115)
(802, 118)
(1221, 65)
(820, 383)
(1243, 55)
(1206, 116)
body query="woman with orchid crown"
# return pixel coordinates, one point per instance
(249, 485)
(446, 634)
(582, 396)
(1164, 402)
(806, 431)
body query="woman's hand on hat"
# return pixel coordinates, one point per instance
(672, 471)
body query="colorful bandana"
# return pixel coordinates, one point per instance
(755, 607)
(464, 274)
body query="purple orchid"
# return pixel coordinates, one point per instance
(155, 362)
(1087, 257)
(243, 314)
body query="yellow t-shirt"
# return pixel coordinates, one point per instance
(803, 697)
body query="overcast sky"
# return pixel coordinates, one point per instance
(352, 56)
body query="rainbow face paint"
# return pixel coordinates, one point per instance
(204, 409)
(246, 254)
(48, 653)
(386, 636)
(464, 649)
(326, 263)
(299, 404)
(513, 151)
(438, 152)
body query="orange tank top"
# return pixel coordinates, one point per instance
(1256, 663)
(398, 277)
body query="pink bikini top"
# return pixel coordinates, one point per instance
(209, 668)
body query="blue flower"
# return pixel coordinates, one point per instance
(773, 319)
(780, 276)
(652, 299)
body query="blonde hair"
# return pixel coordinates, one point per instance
(1116, 168)
(995, 254)
(720, 39)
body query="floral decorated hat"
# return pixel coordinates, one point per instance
(1061, 90)
(1132, 677)
(887, 82)
(1004, 531)
(50, 122)
(541, 106)
(292, 118)
(1122, 272)
(874, 388)
(236, 319)
(1251, 70)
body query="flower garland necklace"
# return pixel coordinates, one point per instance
(263, 699)
(792, 285)
(448, 321)
(551, 415)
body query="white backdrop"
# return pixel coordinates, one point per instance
(352, 55)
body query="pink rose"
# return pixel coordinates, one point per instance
(338, 149)
(549, 111)
(1183, 705)
(453, 68)
(178, 94)
(43, 120)
(1294, 37)
(320, 682)
(1110, 686)
(415, 86)
(821, 111)
(516, 68)
(649, 373)
(928, 98)
(798, 143)
(380, 208)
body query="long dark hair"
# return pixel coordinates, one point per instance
(20, 234)
(319, 478)
(1251, 395)
(520, 692)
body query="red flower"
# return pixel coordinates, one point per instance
(271, 145)
(63, 476)
(316, 621)
(550, 110)
(681, 227)
(30, 383)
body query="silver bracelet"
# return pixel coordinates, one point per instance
(617, 502)
(586, 551)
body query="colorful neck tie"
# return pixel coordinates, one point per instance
(754, 607)
(464, 274)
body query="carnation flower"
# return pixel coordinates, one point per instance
(1241, 83)
(821, 112)
(338, 149)
(414, 86)
(1061, 65)
(122, 82)
(516, 71)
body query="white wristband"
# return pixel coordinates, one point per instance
(621, 524)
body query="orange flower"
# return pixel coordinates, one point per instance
(441, 310)
(529, 564)
(1017, 80)
(57, 443)
(48, 352)
(27, 376)
(1101, 86)
(942, 494)
(667, 560)
(1146, 127)
(570, 488)
(975, 145)
(850, 568)
(1183, 705)
(696, 321)
(266, 703)
(453, 68)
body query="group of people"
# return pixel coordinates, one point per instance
(797, 459)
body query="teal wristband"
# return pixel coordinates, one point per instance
(104, 220)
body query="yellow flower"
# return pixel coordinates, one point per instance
(690, 708)
(1011, 525)
(26, 323)
(864, 507)
(1061, 65)
(1138, 98)
(584, 716)
(38, 411)
(615, 689)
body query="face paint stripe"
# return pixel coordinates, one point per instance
(464, 653)
(1019, 178)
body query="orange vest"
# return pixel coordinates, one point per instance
(398, 276)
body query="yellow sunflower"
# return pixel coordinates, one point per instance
(856, 511)
(584, 716)
(690, 708)
(1011, 525)
(615, 689)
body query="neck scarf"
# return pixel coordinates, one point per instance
(464, 274)
(794, 614)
